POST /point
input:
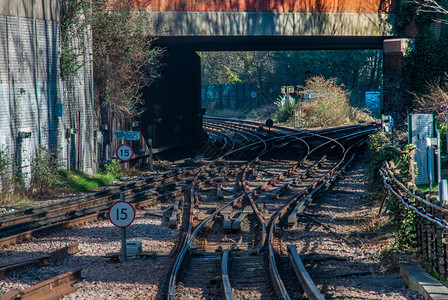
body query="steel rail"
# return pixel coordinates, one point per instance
(233, 150)
(53, 288)
(187, 245)
(108, 193)
(225, 275)
(307, 283)
(278, 282)
(283, 129)
(327, 178)
(183, 251)
(21, 231)
(190, 237)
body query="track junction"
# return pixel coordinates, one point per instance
(231, 208)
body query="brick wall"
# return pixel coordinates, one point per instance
(395, 92)
(327, 6)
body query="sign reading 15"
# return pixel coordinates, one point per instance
(121, 214)
(124, 152)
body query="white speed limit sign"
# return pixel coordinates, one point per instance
(121, 214)
(124, 152)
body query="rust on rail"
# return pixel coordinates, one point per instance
(53, 288)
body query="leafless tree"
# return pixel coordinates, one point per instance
(434, 7)
(124, 59)
(435, 101)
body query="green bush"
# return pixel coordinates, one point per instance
(286, 106)
(113, 168)
(379, 149)
(45, 176)
(12, 190)
(329, 105)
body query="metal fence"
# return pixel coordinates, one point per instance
(431, 224)
(229, 96)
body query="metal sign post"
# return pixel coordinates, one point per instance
(123, 251)
(122, 214)
(388, 125)
(435, 142)
(124, 153)
(151, 162)
(269, 123)
(439, 168)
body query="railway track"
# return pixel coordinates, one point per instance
(235, 250)
(230, 208)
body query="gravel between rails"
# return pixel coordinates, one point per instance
(344, 208)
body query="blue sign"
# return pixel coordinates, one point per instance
(127, 135)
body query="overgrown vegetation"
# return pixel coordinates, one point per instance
(48, 180)
(286, 106)
(321, 102)
(124, 60)
(74, 22)
(380, 149)
(435, 101)
(11, 183)
(426, 62)
(78, 181)
(329, 104)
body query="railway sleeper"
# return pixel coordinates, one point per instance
(236, 225)
(219, 192)
(225, 213)
(280, 190)
(175, 215)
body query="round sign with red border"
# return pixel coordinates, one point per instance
(121, 214)
(124, 152)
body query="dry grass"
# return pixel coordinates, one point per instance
(329, 105)
(435, 101)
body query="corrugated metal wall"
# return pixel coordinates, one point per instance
(38, 108)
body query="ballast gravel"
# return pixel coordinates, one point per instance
(137, 278)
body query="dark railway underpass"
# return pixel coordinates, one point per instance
(174, 115)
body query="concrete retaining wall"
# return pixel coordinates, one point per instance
(314, 6)
(177, 23)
